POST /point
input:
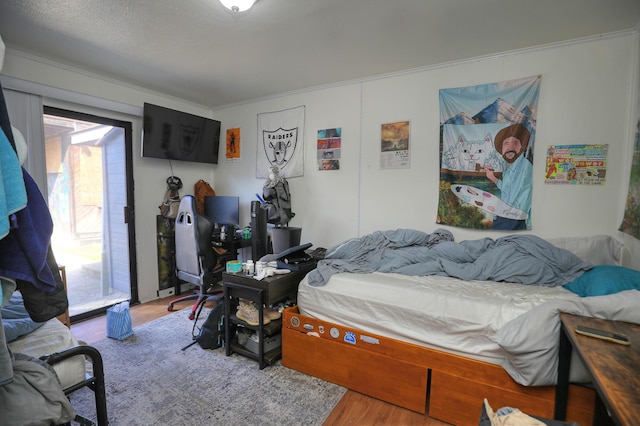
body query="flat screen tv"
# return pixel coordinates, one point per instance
(176, 135)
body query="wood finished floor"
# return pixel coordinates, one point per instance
(353, 409)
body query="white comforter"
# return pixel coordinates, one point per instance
(530, 341)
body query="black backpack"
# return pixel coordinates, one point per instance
(211, 333)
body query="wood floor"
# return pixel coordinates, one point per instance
(353, 409)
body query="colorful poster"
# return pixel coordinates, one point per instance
(487, 135)
(232, 145)
(576, 164)
(329, 145)
(394, 145)
(280, 142)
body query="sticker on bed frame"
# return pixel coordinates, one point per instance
(369, 339)
(334, 332)
(295, 321)
(350, 337)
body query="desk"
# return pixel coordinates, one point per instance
(613, 367)
(267, 291)
(233, 245)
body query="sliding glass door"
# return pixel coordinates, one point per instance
(89, 191)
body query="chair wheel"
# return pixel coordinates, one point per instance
(192, 316)
(170, 308)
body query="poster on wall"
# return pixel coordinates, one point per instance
(232, 144)
(280, 142)
(576, 164)
(329, 145)
(487, 135)
(631, 219)
(394, 145)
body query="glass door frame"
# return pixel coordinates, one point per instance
(129, 211)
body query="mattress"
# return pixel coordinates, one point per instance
(439, 312)
(53, 337)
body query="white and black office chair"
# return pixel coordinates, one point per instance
(196, 261)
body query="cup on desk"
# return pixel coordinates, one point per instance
(234, 266)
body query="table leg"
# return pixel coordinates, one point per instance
(562, 387)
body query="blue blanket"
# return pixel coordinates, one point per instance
(23, 252)
(524, 259)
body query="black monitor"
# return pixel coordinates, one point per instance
(222, 210)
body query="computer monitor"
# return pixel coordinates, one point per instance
(222, 210)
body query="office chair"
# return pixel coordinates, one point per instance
(196, 262)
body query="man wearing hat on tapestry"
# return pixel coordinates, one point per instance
(517, 178)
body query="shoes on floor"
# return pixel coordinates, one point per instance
(248, 312)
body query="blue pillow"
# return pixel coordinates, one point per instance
(16, 321)
(605, 279)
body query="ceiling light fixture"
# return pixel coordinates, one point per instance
(238, 5)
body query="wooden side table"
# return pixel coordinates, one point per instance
(612, 366)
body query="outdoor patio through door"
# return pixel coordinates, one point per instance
(86, 159)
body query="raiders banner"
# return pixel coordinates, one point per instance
(280, 142)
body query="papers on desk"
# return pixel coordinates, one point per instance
(269, 272)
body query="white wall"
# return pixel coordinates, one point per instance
(588, 95)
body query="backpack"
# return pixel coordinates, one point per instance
(202, 189)
(211, 334)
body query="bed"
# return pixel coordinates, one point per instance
(439, 344)
(76, 365)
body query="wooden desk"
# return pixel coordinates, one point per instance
(613, 367)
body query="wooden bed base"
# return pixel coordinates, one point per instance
(447, 387)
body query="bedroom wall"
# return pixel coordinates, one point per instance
(588, 95)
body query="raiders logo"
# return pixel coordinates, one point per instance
(280, 145)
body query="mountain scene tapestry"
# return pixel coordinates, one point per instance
(487, 135)
(631, 220)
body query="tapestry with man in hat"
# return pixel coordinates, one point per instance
(487, 135)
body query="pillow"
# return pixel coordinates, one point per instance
(605, 279)
(15, 319)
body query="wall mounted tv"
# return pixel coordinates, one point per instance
(176, 135)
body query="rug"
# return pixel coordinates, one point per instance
(150, 380)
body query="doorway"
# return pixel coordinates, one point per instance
(89, 181)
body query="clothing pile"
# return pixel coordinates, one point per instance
(30, 392)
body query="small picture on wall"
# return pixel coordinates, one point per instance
(394, 145)
(328, 147)
(232, 146)
(576, 164)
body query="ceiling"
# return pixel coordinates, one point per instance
(198, 51)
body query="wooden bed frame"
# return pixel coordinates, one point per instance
(447, 387)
